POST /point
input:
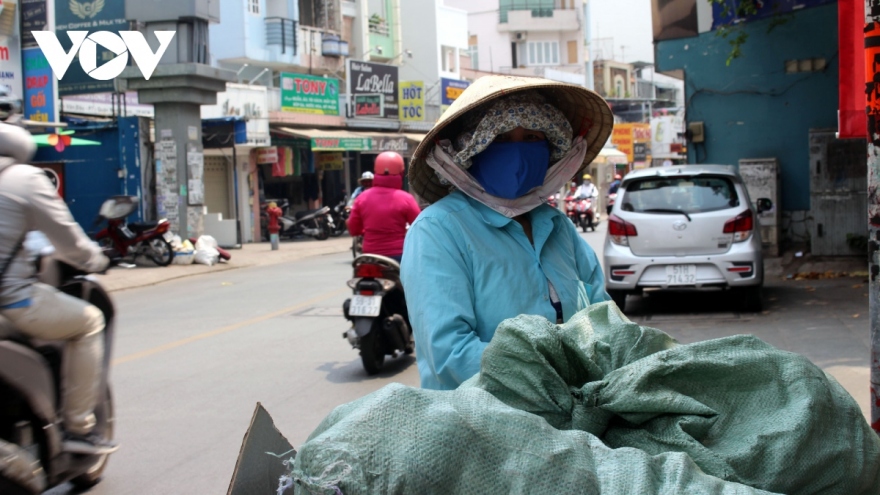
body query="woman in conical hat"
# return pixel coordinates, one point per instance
(489, 248)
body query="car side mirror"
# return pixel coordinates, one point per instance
(764, 204)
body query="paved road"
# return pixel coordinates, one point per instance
(193, 356)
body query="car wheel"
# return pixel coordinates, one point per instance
(751, 299)
(619, 298)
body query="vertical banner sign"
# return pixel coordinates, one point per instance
(412, 101)
(33, 18)
(450, 90)
(302, 93)
(83, 15)
(379, 81)
(39, 95)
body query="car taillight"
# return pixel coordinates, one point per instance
(368, 271)
(740, 226)
(620, 230)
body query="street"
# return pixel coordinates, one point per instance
(194, 355)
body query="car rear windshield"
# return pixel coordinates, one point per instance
(686, 194)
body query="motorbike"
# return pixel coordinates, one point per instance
(553, 201)
(132, 239)
(357, 245)
(571, 209)
(33, 457)
(610, 201)
(377, 312)
(585, 214)
(338, 216)
(313, 223)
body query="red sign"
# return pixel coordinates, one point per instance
(267, 155)
(55, 173)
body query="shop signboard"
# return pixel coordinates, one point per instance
(624, 136)
(369, 105)
(33, 18)
(267, 155)
(341, 144)
(640, 152)
(248, 102)
(73, 15)
(372, 78)
(107, 104)
(39, 92)
(391, 143)
(302, 93)
(412, 101)
(450, 90)
(329, 161)
(10, 64)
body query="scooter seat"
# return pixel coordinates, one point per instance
(301, 214)
(143, 226)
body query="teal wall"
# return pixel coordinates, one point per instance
(753, 108)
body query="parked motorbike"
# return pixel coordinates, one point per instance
(33, 457)
(377, 311)
(313, 223)
(338, 215)
(132, 239)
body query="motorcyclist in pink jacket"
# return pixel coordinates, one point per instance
(381, 214)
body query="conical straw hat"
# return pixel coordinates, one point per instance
(587, 112)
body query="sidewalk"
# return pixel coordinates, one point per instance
(259, 254)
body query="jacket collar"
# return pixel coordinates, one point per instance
(389, 181)
(497, 220)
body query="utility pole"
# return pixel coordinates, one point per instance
(872, 72)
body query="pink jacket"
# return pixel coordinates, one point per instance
(381, 213)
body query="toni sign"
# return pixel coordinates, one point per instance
(122, 44)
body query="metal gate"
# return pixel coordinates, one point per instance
(838, 195)
(217, 190)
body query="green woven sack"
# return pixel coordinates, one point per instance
(601, 405)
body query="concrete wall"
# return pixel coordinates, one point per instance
(493, 46)
(753, 108)
(418, 25)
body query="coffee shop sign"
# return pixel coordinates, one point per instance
(372, 84)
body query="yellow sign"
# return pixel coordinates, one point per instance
(624, 136)
(329, 161)
(412, 100)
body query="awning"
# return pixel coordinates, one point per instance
(611, 155)
(330, 140)
(416, 138)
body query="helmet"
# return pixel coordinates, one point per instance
(366, 176)
(587, 177)
(617, 177)
(389, 163)
(9, 105)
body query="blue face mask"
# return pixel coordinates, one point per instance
(509, 170)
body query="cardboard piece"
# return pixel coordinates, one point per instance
(263, 458)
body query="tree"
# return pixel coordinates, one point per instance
(738, 12)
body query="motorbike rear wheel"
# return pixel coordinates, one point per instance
(372, 355)
(159, 250)
(90, 478)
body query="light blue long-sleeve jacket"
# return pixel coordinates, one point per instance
(466, 267)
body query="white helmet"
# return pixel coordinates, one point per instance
(366, 176)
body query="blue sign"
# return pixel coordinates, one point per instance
(451, 89)
(85, 15)
(766, 8)
(39, 96)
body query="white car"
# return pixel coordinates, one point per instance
(685, 227)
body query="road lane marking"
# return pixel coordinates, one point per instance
(226, 329)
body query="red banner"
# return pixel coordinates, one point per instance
(851, 40)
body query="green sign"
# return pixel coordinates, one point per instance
(303, 93)
(341, 144)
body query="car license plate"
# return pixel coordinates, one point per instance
(681, 274)
(365, 305)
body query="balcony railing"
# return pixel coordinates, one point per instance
(281, 32)
(539, 8)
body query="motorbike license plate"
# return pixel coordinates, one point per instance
(365, 306)
(681, 274)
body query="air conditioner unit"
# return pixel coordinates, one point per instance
(519, 36)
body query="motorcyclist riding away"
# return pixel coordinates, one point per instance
(28, 202)
(381, 214)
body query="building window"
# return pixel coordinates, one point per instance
(473, 51)
(449, 57)
(254, 6)
(543, 53)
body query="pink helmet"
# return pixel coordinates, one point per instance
(388, 163)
